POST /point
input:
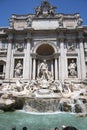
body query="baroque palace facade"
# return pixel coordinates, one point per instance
(59, 38)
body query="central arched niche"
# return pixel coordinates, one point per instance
(45, 50)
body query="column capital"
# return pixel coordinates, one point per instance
(61, 40)
(80, 37)
(56, 55)
(10, 38)
(80, 34)
(61, 37)
(28, 37)
(80, 40)
(34, 56)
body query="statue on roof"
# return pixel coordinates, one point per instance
(45, 9)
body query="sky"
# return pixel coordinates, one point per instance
(9, 7)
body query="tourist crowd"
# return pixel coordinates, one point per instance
(56, 128)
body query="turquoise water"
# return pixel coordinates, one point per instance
(37, 121)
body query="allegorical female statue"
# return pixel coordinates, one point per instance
(72, 68)
(18, 69)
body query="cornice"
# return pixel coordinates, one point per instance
(22, 17)
(80, 29)
(56, 16)
(24, 30)
(6, 31)
(36, 56)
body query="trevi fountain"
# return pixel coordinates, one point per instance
(43, 72)
(45, 94)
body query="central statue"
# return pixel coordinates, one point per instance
(43, 71)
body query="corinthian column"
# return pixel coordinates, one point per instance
(9, 51)
(82, 58)
(62, 58)
(34, 68)
(28, 60)
(56, 69)
(52, 68)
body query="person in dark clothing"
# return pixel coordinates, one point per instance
(25, 128)
(70, 128)
(13, 128)
(56, 128)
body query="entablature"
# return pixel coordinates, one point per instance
(50, 57)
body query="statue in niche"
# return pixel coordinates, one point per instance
(72, 68)
(19, 47)
(18, 69)
(43, 71)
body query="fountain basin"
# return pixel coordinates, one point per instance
(36, 121)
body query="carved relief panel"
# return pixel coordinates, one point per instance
(71, 46)
(19, 45)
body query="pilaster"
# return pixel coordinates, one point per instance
(52, 67)
(34, 68)
(62, 58)
(9, 51)
(56, 69)
(82, 57)
(27, 72)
